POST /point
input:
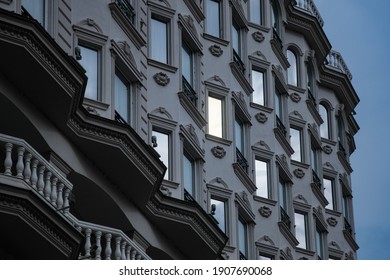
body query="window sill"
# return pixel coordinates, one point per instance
(306, 252)
(300, 164)
(261, 107)
(283, 141)
(214, 39)
(162, 66)
(333, 212)
(244, 178)
(94, 106)
(318, 194)
(259, 26)
(219, 140)
(265, 200)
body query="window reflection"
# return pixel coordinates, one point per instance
(296, 144)
(163, 149)
(122, 97)
(213, 16)
(215, 116)
(324, 128)
(188, 173)
(90, 63)
(159, 40)
(292, 71)
(301, 230)
(255, 11)
(36, 9)
(258, 86)
(261, 173)
(219, 213)
(328, 192)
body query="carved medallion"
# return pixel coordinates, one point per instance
(161, 78)
(261, 117)
(216, 50)
(218, 151)
(299, 173)
(327, 149)
(265, 211)
(332, 221)
(295, 97)
(258, 36)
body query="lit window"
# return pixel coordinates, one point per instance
(262, 177)
(218, 210)
(324, 128)
(36, 9)
(163, 149)
(122, 97)
(188, 174)
(215, 119)
(292, 71)
(213, 17)
(243, 239)
(255, 11)
(258, 86)
(90, 62)
(296, 144)
(159, 40)
(329, 193)
(301, 229)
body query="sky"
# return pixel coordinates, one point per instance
(358, 29)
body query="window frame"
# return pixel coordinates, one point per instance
(333, 193)
(130, 102)
(295, 74)
(301, 158)
(306, 229)
(327, 124)
(261, 13)
(264, 86)
(221, 33)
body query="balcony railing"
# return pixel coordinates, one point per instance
(285, 218)
(347, 226)
(120, 119)
(238, 62)
(309, 7)
(316, 179)
(336, 61)
(241, 160)
(280, 125)
(188, 196)
(21, 161)
(189, 91)
(126, 9)
(105, 243)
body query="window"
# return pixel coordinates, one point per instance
(123, 98)
(256, 11)
(319, 237)
(213, 18)
(258, 85)
(341, 134)
(237, 47)
(218, 210)
(292, 71)
(162, 140)
(284, 217)
(189, 174)
(188, 72)
(324, 128)
(310, 84)
(314, 165)
(37, 9)
(301, 229)
(159, 40)
(242, 239)
(240, 144)
(329, 193)
(296, 144)
(215, 116)
(275, 24)
(90, 62)
(279, 112)
(262, 178)
(347, 209)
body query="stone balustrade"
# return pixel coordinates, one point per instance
(22, 162)
(336, 61)
(107, 243)
(309, 7)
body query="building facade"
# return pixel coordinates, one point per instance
(160, 129)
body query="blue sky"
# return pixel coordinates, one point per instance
(358, 29)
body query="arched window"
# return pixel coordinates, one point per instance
(292, 71)
(325, 127)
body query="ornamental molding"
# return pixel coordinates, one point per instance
(265, 211)
(329, 166)
(327, 149)
(266, 240)
(161, 79)
(261, 117)
(258, 36)
(219, 182)
(295, 97)
(161, 111)
(166, 191)
(262, 145)
(218, 151)
(332, 221)
(216, 50)
(299, 173)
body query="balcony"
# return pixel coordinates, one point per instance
(241, 160)
(336, 62)
(308, 6)
(126, 9)
(285, 218)
(238, 62)
(189, 91)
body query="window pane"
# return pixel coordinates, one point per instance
(324, 128)
(236, 39)
(300, 230)
(213, 18)
(292, 71)
(255, 11)
(261, 173)
(328, 192)
(90, 63)
(163, 149)
(187, 66)
(314, 162)
(238, 128)
(219, 213)
(122, 97)
(215, 116)
(278, 104)
(258, 86)
(188, 173)
(242, 237)
(296, 144)
(319, 246)
(282, 195)
(36, 8)
(159, 40)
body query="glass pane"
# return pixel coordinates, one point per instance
(36, 8)
(122, 98)
(261, 173)
(163, 149)
(319, 246)
(292, 70)
(324, 128)
(236, 39)
(215, 116)
(90, 63)
(314, 163)
(213, 18)
(255, 11)
(219, 214)
(282, 195)
(258, 86)
(264, 258)
(188, 173)
(242, 246)
(238, 128)
(300, 230)
(278, 104)
(186, 61)
(295, 139)
(328, 192)
(159, 40)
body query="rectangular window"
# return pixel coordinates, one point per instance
(122, 97)
(159, 40)
(163, 148)
(329, 193)
(296, 144)
(218, 210)
(215, 116)
(319, 244)
(213, 17)
(262, 177)
(301, 230)
(236, 39)
(90, 62)
(187, 65)
(36, 9)
(242, 239)
(255, 11)
(188, 174)
(258, 86)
